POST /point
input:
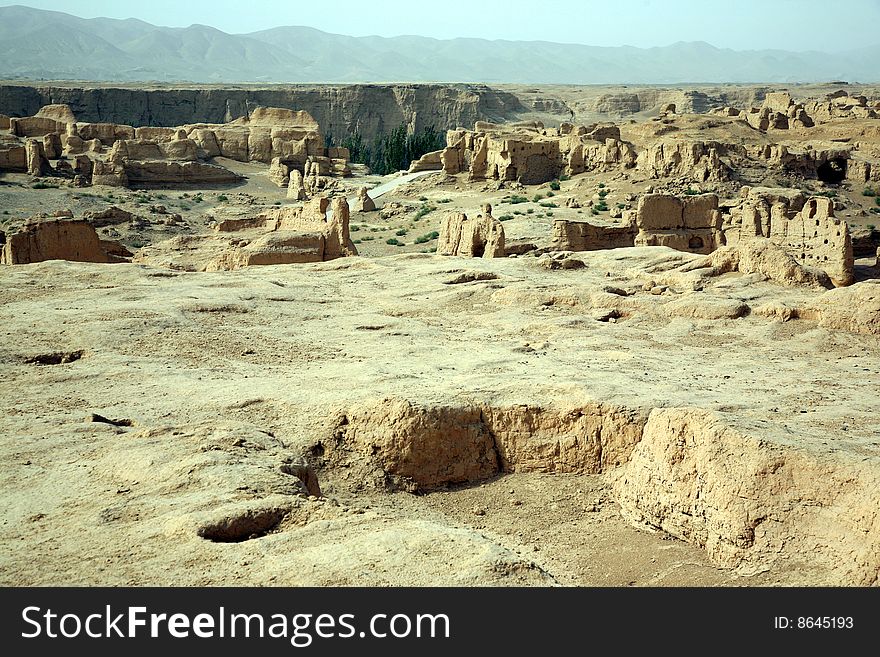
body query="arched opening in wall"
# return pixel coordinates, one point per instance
(695, 243)
(479, 249)
(832, 171)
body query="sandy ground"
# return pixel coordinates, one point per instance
(225, 377)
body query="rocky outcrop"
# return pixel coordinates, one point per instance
(314, 232)
(694, 160)
(60, 239)
(481, 237)
(296, 187)
(749, 501)
(363, 202)
(855, 308)
(767, 259)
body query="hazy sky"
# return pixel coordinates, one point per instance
(828, 25)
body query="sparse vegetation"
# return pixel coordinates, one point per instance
(401, 232)
(516, 200)
(554, 185)
(427, 238)
(445, 200)
(423, 211)
(393, 241)
(869, 192)
(548, 205)
(505, 217)
(222, 198)
(537, 197)
(690, 191)
(42, 185)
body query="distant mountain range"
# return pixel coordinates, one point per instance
(37, 44)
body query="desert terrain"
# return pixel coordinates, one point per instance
(603, 336)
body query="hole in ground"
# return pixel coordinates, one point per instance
(55, 358)
(251, 524)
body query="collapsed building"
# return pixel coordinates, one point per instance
(805, 229)
(66, 238)
(121, 155)
(529, 153)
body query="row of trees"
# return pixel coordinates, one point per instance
(392, 151)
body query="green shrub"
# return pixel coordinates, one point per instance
(400, 233)
(601, 185)
(530, 210)
(42, 185)
(601, 206)
(869, 192)
(355, 228)
(621, 206)
(548, 205)
(424, 210)
(427, 237)
(393, 241)
(554, 185)
(223, 198)
(516, 200)
(505, 217)
(690, 191)
(357, 241)
(536, 198)
(445, 200)
(564, 177)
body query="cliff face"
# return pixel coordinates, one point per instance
(340, 110)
